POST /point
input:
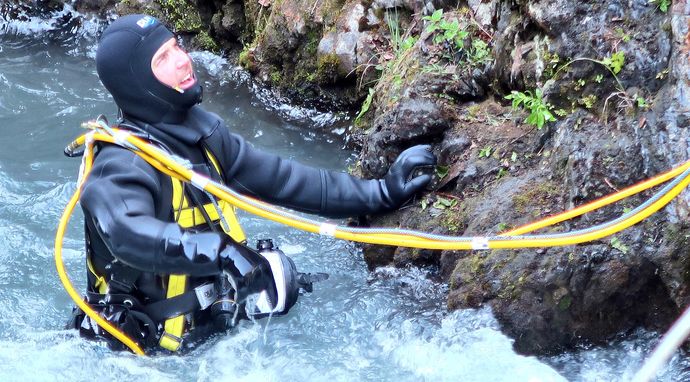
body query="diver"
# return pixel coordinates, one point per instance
(166, 262)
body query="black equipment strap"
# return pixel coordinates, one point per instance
(158, 311)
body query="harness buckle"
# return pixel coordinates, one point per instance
(170, 341)
(206, 294)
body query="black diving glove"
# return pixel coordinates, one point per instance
(250, 271)
(401, 182)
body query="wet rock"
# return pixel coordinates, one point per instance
(229, 23)
(412, 120)
(98, 6)
(378, 255)
(484, 11)
(403, 257)
(352, 47)
(412, 5)
(139, 6)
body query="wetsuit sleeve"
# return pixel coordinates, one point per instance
(119, 200)
(294, 185)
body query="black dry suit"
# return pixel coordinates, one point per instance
(133, 240)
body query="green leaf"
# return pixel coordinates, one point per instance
(437, 15)
(443, 203)
(365, 105)
(662, 4)
(442, 171)
(617, 244)
(513, 156)
(615, 62)
(408, 43)
(485, 152)
(425, 204)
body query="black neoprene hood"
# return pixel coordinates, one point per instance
(123, 61)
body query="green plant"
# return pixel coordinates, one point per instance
(400, 43)
(540, 111)
(615, 62)
(551, 62)
(588, 101)
(480, 52)
(661, 4)
(485, 152)
(434, 20)
(662, 74)
(365, 105)
(620, 33)
(617, 244)
(441, 171)
(501, 173)
(443, 203)
(276, 77)
(450, 30)
(392, 70)
(580, 83)
(246, 59)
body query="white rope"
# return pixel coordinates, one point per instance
(327, 229)
(480, 242)
(199, 181)
(664, 351)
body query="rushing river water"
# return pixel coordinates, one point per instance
(387, 325)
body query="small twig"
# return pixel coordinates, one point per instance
(474, 20)
(611, 185)
(449, 196)
(523, 135)
(313, 9)
(621, 95)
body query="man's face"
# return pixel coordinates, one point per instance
(172, 66)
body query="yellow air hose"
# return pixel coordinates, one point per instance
(394, 237)
(408, 238)
(59, 264)
(596, 204)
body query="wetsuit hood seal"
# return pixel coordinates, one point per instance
(123, 62)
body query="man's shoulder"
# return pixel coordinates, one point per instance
(117, 157)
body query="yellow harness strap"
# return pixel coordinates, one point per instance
(101, 285)
(187, 217)
(171, 338)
